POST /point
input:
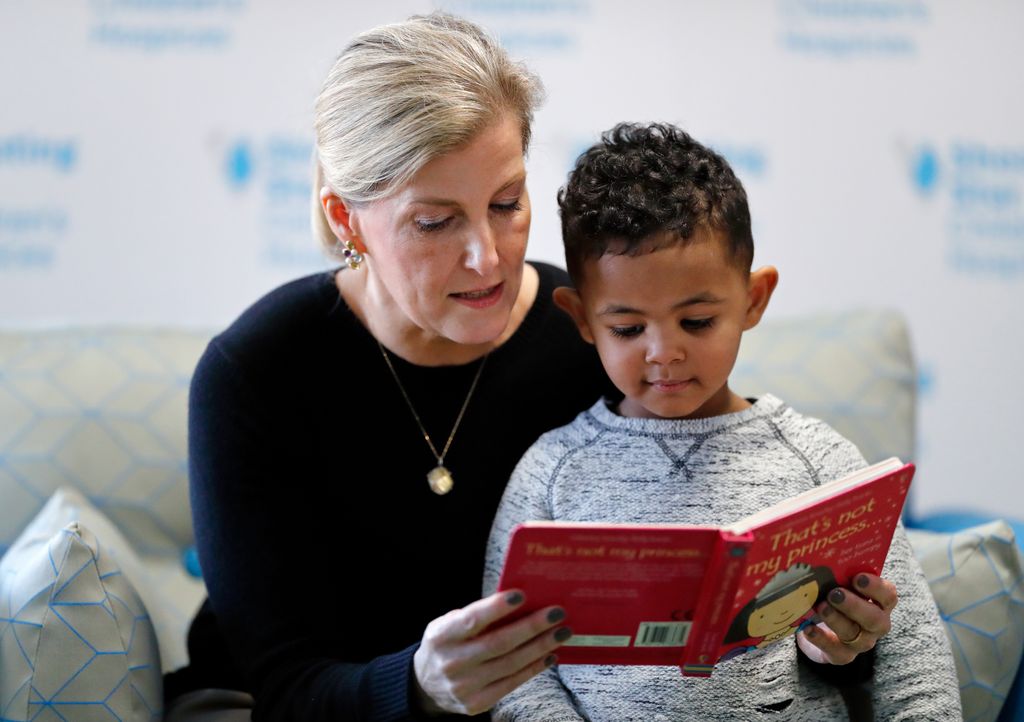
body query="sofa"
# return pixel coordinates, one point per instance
(98, 579)
(92, 428)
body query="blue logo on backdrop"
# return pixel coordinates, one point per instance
(529, 26)
(748, 161)
(983, 186)
(158, 25)
(277, 168)
(239, 164)
(925, 380)
(25, 149)
(925, 170)
(847, 29)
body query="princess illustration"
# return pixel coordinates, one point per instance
(780, 608)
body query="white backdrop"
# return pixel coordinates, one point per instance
(154, 163)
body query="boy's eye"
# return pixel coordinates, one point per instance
(429, 225)
(626, 331)
(697, 324)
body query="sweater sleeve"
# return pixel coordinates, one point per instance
(249, 532)
(914, 672)
(543, 698)
(915, 675)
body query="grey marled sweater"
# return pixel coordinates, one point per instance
(604, 467)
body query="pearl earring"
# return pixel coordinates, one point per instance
(352, 257)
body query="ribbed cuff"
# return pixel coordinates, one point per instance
(387, 694)
(390, 693)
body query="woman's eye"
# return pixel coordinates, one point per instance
(510, 207)
(697, 324)
(626, 331)
(429, 225)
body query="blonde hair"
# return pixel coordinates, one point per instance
(400, 95)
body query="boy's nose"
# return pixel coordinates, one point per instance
(665, 351)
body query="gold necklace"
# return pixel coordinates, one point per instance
(439, 478)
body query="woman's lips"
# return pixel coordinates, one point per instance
(482, 298)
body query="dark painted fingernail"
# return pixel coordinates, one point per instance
(556, 615)
(550, 660)
(562, 634)
(863, 581)
(513, 598)
(836, 596)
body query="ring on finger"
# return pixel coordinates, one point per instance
(851, 642)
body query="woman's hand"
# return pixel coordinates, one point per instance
(463, 669)
(852, 622)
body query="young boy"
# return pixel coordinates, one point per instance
(658, 243)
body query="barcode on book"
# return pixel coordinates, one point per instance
(662, 634)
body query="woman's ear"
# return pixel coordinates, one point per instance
(760, 287)
(569, 301)
(341, 219)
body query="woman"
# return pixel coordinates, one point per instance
(351, 433)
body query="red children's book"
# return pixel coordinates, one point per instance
(674, 594)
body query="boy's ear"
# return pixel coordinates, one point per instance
(341, 218)
(569, 301)
(760, 287)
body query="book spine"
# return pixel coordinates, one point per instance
(711, 617)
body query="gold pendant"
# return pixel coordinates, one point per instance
(441, 481)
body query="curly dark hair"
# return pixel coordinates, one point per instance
(643, 186)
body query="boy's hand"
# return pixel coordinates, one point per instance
(852, 622)
(465, 666)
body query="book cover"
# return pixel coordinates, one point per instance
(692, 596)
(630, 591)
(803, 548)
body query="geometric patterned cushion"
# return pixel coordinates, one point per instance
(103, 410)
(76, 642)
(977, 578)
(168, 592)
(854, 370)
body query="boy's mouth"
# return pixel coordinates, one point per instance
(670, 384)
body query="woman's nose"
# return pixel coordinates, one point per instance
(482, 250)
